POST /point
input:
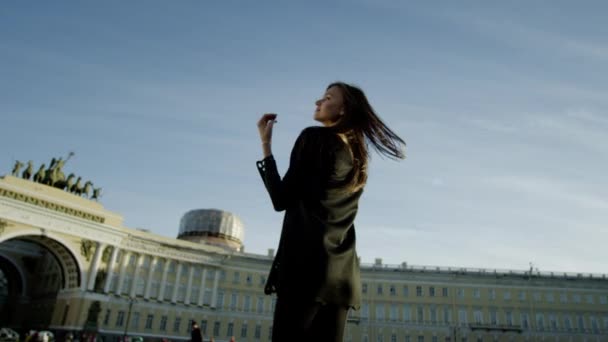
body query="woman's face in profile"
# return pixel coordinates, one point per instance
(330, 108)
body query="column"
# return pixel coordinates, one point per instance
(216, 279)
(153, 264)
(138, 265)
(178, 275)
(110, 269)
(201, 293)
(123, 270)
(95, 265)
(189, 288)
(161, 293)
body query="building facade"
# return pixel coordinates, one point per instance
(69, 265)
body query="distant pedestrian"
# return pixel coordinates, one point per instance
(195, 334)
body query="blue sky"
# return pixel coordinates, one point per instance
(502, 104)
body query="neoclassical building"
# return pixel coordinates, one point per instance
(67, 264)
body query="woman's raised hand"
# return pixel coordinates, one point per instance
(265, 127)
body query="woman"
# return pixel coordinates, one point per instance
(316, 270)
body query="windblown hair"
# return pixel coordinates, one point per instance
(362, 126)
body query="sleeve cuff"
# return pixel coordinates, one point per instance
(263, 164)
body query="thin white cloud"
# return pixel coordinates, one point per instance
(548, 189)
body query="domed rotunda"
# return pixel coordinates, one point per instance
(212, 226)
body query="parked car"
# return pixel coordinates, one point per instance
(8, 334)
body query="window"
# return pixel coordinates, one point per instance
(444, 291)
(420, 338)
(230, 329)
(393, 337)
(407, 313)
(581, 322)
(433, 312)
(149, 320)
(237, 277)
(207, 297)
(247, 303)
(476, 293)
(420, 313)
(258, 331)
(509, 317)
(493, 317)
(379, 289)
(194, 294)
(536, 296)
(567, 323)
(563, 297)
(419, 292)
(141, 286)
(478, 316)
(392, 290)
(159, 265)
(364, 311)
(249, 279)
(576, 298)
(447, 314)
(163, 323)
(244, 329)
(262, 280)
(462, 316)
(260, 305)
(604, 300)
(492, 294)
(176, 324)
(407, 338)
(106, 319)
(168, 291)
(540, 321)
(589, 299)
(525, 323)
(522, 296)
(181, 294)
(506, 295)
(594, 324)
(460, 293)
(550, 297)
(233, 301)
(406, 291)
(203, 326)
(552, 322)
(394, 312)
(364, 288)
(120, 319)
(379, 312)
(216, 328)
(134, 323)
(219, 300)
(171, 267)
(270, 331)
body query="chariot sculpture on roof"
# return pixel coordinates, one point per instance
(54, 176)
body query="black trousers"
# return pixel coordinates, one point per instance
(296, 320)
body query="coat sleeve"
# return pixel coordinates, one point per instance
(308, 171)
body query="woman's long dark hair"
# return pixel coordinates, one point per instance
(362, 126)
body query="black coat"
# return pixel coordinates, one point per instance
(316, 258)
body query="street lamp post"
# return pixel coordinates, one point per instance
(131, 301)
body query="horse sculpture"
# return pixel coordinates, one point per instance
(39, 176)
(88, 186)
(16, 168)
(76, 188)
(96, 194)
(27, 173)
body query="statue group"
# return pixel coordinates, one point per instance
(54, 176)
